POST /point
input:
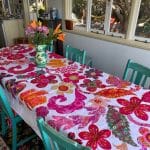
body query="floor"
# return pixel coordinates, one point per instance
(23, 131)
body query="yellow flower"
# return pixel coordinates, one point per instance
(40, 23)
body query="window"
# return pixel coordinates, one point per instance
(143, 23)
(98, 14)
(79, 8)
(122, 18)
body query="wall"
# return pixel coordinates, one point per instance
(107, 56)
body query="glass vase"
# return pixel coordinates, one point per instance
(40, 57)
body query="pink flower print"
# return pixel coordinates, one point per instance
(41, 111)
(72, 77)
(93, 73)
(96, 137)
(92, 85)
(42, 81)
(5, 52)
(145, 138)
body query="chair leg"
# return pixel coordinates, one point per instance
(4, 125)
(14, 135)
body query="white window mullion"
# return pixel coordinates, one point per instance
(88, 20)
(108, 11)
(68, 9)
(135, 8)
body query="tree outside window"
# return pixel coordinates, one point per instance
(79, 8)
(120, 16)
(143, 24)
(98, 14)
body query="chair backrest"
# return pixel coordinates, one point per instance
(5, 106)
(54, 140)
(137, 74)
(75, 54)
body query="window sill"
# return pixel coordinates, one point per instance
(118, 40)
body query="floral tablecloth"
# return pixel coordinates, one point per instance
(87, 105)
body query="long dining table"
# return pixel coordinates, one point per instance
(85, 104)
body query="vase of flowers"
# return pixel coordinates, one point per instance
(41, 57)
(41, 36)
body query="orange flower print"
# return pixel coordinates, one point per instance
(33, 97)
(114, 92)
(63, 88)
(56, 63)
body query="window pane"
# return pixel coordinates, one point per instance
(98, 14)
(79, 8)
(143, 24)
(120, 16)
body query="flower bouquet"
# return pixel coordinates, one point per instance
(41, 36)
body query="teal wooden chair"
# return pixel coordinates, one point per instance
(75, 54)
(137, 74)
(89, 61)
(53, 140)
(15, 119)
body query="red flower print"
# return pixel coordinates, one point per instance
(96, 138)
(92, 85)
(146, 97)
(73, 77)
(42, 81)
(134, 106)
(145, 138)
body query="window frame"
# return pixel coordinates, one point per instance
(132, 23)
